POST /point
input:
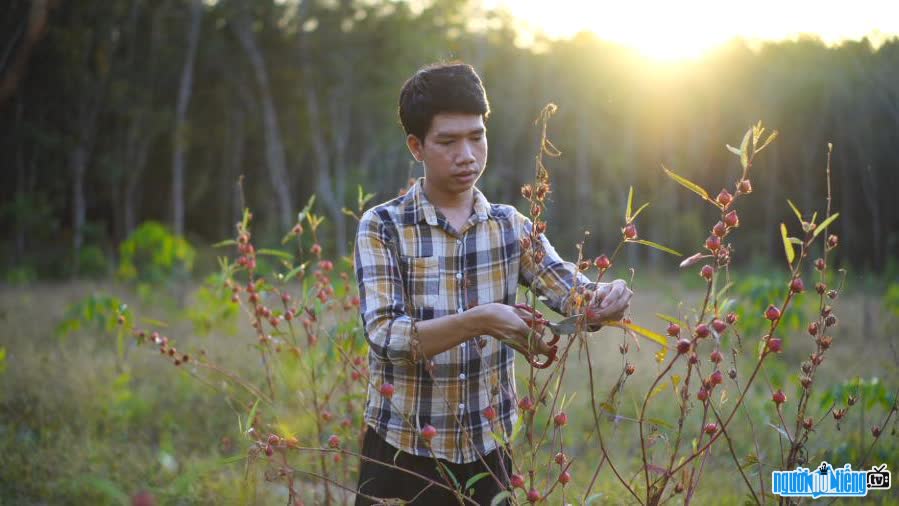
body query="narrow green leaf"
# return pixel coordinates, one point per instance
(593, 498)
(795, 211)
(796, 240)
(630, 201)
(788, 246)
(274, 253)
(252, 414)
(226, 242)
(640, 209)
(671, 319)
(308, 207)
(724, 290)
(773, 135)
(474, 479)
(654, 245)
(151, 321)
(824, 224)
(660, 423)
(500, 497)
(653, 336)
(686, 183)
(744, 149)
(733, 150)
(293, 272)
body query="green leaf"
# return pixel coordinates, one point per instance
(686, 183)
(639, 210)
(788, 246)
(671, 319)
(226, 242)
(795, 240)
(308, 207)
(151, 321)
(594, 498)
(724, 289)
(500, 497)
(795, 211)
(474, 479)
(824, 224)
(744, 149)
(660, 423)
(296, 270)
(275, 253)
(733, 150)
(630, 201)
(639, 330)
(654, 245)
(252, 414)
(769, 140)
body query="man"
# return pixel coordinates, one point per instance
(438, 270)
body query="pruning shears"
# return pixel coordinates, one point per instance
(566, 326)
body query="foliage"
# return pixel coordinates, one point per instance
(153, 254)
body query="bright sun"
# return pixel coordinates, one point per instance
(683, 29)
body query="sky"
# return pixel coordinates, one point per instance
(678, 29)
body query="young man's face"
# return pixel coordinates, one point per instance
(454, 151)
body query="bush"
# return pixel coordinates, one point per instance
(152, 254)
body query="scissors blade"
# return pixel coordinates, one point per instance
(566, 326)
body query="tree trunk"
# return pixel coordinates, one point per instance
(180, 131)
(274, 148)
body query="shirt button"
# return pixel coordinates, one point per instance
(459, 242)
(461, 407)
(462, 345)
(460, 309)
(458, 275)
(462, 376)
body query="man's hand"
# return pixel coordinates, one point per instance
(609, 302)
(510, 324)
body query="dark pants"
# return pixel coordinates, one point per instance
(383, 482)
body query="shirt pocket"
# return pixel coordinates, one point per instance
(422, 281)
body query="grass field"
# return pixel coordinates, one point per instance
(81, 423)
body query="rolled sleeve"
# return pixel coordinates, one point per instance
(387, 327)
(553, 278)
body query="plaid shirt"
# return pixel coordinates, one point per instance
(412, 265)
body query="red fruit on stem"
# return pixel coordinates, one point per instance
(875, 431)
(731, 318)
(707, 272)
(334, 441)
(533, 495)
(386, 390)
(565, 477)
(832, 241)
(702, 394)
(602, 262)
(713, 243)
(796, 286)
(526, 404)
(716, 357)
(808, 423)
(710, 428)
(774, 345)
(702, 330)
(560, 458)
(269, 451)
(630, 231)
(724, 198)
(716, 378)
(813, 328)
(490, 413)
(673, 329)
(683, 345)
(719, 229)
(273, 439)
(719, 325)
(629, 369)
(819, 264)
(731, 219)
(772, 313)
(561, 419)
(428, 432)
(744, 186)
(779, 397)
(517, 481)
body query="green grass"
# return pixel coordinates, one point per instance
(81, 425)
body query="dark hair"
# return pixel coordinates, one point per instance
(437, 88)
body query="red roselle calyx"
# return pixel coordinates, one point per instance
(774, 345)
(334, 441)
(808, 423)
(731, 219)
(490, 413)
(719, 229)
(702, 330)
(832, 241)
(602, 262)
(779, 397)
(702, 394)
(561, 459)
(387, 390)
(744, 186)
(796, 286)
(731, 318)
(561, 419)
(713, 243)
(629, 369)
(710, 428)
(630, 231)
(716, 356)
(875, 431)
(526, 404)
(526, 191)
(772, 313)
(428, 432)
(707, 272)
(517, 481)
(533, 495)
(719, 325)
(683, 346)
(673, 329)
(819, 264)
(565, 477)
(724, 198)
(716, 378)
(813, 328)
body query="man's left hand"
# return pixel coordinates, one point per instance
(609, 302)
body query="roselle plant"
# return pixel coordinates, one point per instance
(302, 416)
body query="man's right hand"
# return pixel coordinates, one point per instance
(510, 324)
